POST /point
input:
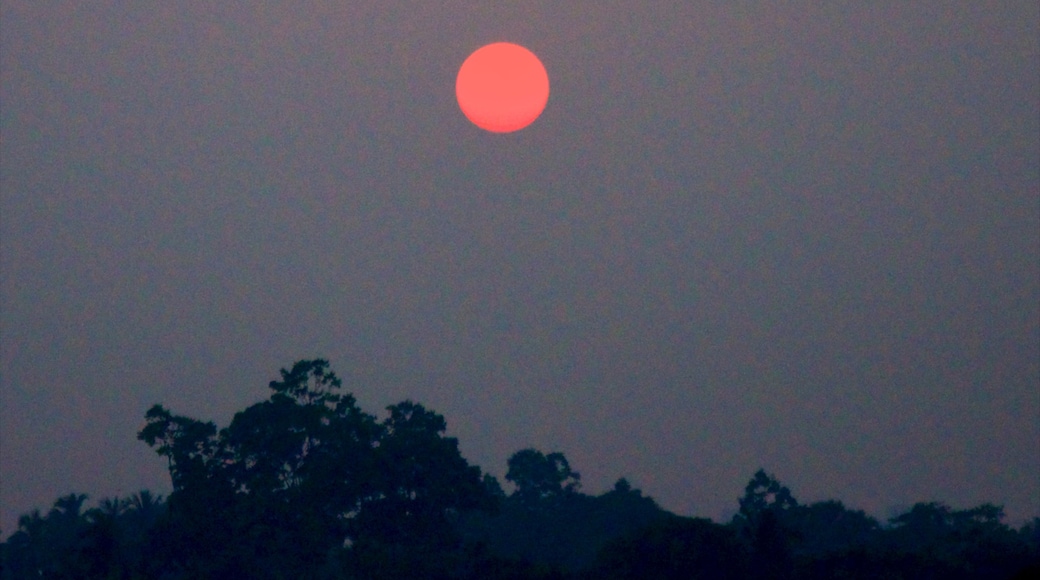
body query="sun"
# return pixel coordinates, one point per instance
(502, 87)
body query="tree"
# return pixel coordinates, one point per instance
(675, 547)
(99, 554)
(975, 541)
(422, 483)
(1030, 534)
(760, 522)
(296, 478)
(107, 541)
(829, 527)
(140, 526)
(272, 489)
(764, 493)
(27, 554)
(48, 546)
(201, 521)
(549, 523)
(539, 477)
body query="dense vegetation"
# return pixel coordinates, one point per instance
(307, 485)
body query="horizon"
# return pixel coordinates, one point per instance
(798, 237)
(724, 518)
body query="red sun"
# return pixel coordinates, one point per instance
(502, 87)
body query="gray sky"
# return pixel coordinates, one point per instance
(802, 237)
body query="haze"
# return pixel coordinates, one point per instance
(802, 237)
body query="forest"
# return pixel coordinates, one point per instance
(306, 485)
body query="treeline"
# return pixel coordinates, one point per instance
(307, 485)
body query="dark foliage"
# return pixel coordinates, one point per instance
(562, 530)
(674, 548)
(307, 485)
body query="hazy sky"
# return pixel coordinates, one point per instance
(802, 237)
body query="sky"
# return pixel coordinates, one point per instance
(801, 236)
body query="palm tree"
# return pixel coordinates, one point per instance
(99, 553)
(65, 522)
(26, 555)
(145, 505)
(68, 506)
(142, 511)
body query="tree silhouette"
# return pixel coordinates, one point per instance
(674, 548)
(539, 477)
(829, 527)
(29, 554)
(973, 542)
(549, 523)
(99, 554)
(295, 479)
(764, 493)
(422, 482)
(760, 522)
(307, 485)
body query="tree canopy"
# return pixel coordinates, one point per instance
(305, 484)
(307, 472)
(539, 477)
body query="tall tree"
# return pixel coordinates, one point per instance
(295, 478)
(99, 554)
(540, 477)
(761, 523)
(28, 554)
(406, 527)
(764, 493)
